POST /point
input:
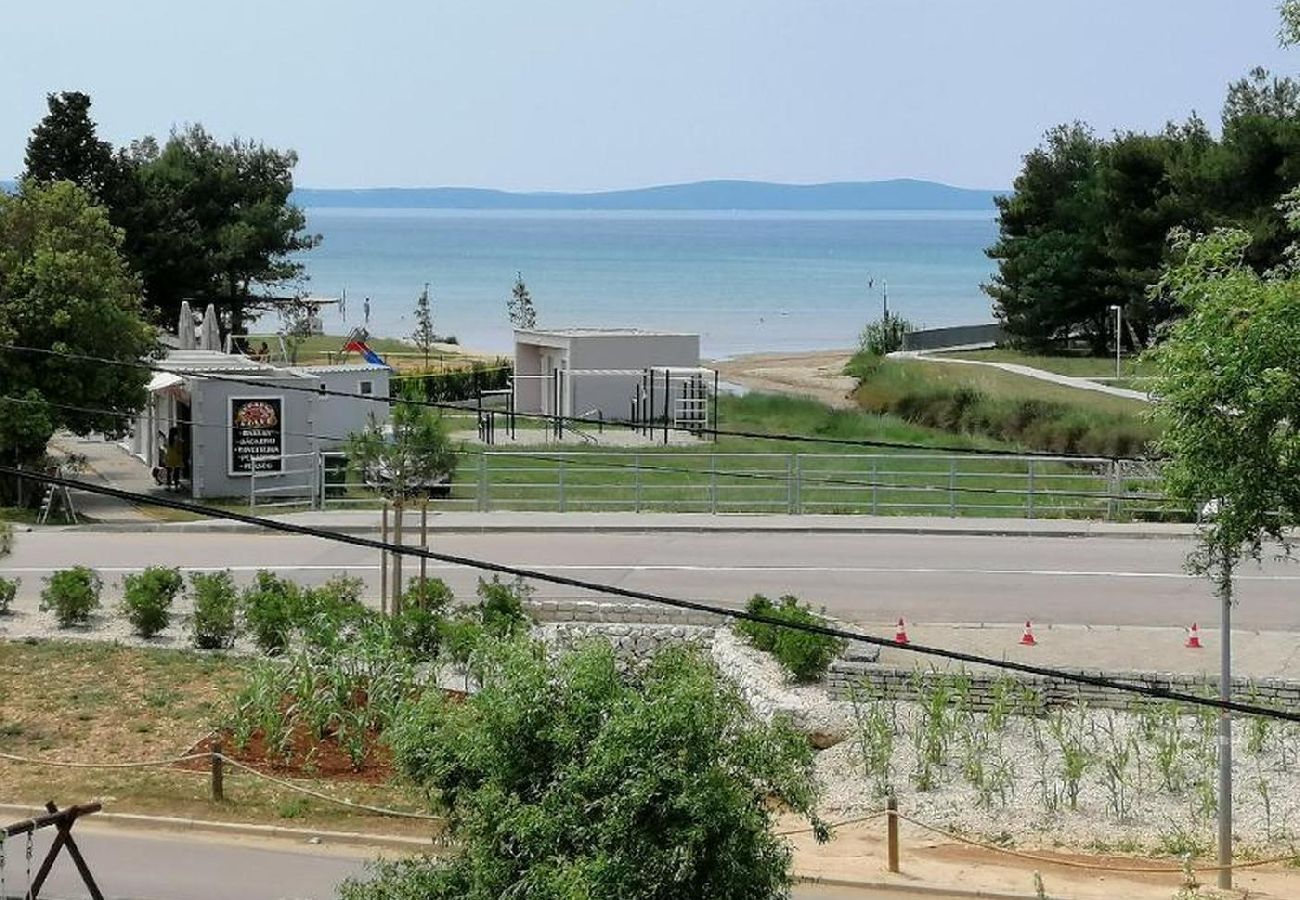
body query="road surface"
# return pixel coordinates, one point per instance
(160, 866)
(858, 577)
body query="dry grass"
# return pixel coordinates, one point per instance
(92, 702)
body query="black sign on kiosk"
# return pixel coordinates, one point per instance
(256, 433)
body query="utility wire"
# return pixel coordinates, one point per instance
(778, 478)
(552, 418)
(1146, 690)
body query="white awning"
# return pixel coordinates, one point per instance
(162, 381)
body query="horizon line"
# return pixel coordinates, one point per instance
(650, 187)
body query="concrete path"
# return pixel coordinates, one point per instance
(109, 464)
(1083, 384)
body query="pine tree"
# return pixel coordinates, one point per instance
(65, 147)
(520, 307)
(424, 336)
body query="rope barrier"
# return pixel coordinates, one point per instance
(141, 764)
(841, 824)
(379, 810)
(1094, 867)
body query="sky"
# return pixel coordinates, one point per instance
(582, 95)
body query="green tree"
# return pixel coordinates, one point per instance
(403, 459)
(1228, 379)
(884, 335)
(64, 146)
(64, 286)
(520, 306)
(424, 336)
(213, 223)
(1052, 279)
(568, 778)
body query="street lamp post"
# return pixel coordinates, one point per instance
(1119, 320)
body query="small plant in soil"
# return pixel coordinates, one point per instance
(72, 594)
(147, 598)
(8, 591)
(875, 741)
(213, 624)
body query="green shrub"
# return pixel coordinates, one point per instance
(8, 590)
(73, 594)
(501, 606)
(331, 614)
(147, 599)
(420, 624)
(804, 654)
(215, 604)
(272, 607)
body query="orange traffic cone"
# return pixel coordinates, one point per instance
(1194, 638)
(900, 633)
(1027, 639)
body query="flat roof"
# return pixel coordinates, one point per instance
(199, 361)
(339, 367)
(604, 332)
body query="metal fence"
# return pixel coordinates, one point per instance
(795, 483)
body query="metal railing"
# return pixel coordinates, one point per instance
(794, 483)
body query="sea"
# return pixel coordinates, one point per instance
(745, 282)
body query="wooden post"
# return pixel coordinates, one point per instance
(424, 544)
(383, 563)
(399, 514)
(891, 832)
(218, 773)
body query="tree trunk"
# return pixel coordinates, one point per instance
(1223, 587)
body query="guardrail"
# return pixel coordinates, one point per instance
(793, 483)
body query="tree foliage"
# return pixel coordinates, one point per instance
(64, 286)
(424, 336)
(884, 335)
(408, 455)
(1086, 225)
(1228, 383)
(566, 777)
(203, 220)
(520, 306)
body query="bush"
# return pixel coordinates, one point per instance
(501, 606)
(421, 623)
(215, 604)
(73, 594)
(272, 607)
(331, 614)
(8, 590)
(884, 336)
(147, 599)
(804, 654)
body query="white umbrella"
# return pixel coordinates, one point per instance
(185, 326)
(210, 332)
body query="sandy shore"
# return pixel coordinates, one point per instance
(817, 374)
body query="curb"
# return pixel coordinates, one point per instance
(919, 890)
(668, 528)
(135, 821)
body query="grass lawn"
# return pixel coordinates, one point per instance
(1074, 364)
(86, 701)
(322, 349)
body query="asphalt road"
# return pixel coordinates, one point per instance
(156, 866)
(862, 577)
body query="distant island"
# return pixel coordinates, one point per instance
(895, 194)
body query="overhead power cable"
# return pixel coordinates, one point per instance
(777, 478)
(567, 421)
(1146, 690)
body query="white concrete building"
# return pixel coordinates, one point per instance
(617, 374)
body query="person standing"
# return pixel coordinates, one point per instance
(365, 312)
(175, 458)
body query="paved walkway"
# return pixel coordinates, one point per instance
(109, 464)
(1083, 384)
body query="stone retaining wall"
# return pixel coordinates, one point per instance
(902, 684)
(620, 611)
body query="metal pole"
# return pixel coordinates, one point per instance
(561, 483)
(952, 487)
(668, 399)
(715, 406)
(1225, 724)
(636, 472)
(424, 543)
(1119, 313)
(649, 419)
(482, 481)
(1030, 496)
(399, 520)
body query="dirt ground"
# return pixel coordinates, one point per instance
(816, 374)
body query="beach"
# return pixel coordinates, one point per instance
(816, 373)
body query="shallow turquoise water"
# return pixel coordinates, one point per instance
(744, 281)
